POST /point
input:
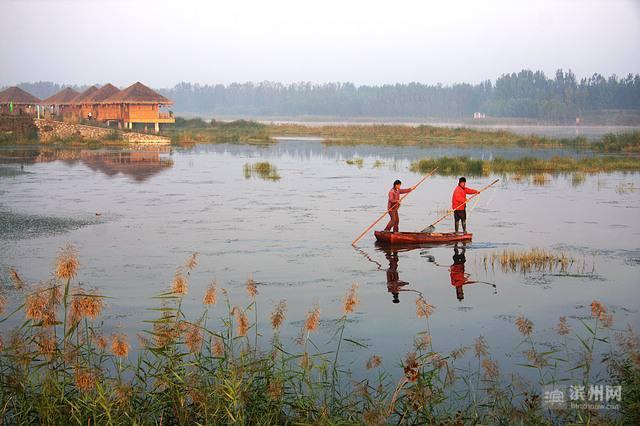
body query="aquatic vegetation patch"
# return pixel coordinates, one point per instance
(425, 135)
(625, 188)
(263, 170)
(526, 261)
(16, 226)
(451, 166)
(61, 365)
(356, 162)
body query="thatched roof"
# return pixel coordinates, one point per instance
(17, 96)
(101, 94)
(63, 97)
(80, 99)
(137, 93)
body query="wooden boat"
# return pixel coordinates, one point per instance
(421, 237)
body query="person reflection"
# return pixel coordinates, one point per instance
(458, 277)
(394, 285)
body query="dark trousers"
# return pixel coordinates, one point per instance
(460, 216)
(394, 222)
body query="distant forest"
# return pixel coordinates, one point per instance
(526, 94)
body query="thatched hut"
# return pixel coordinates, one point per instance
(62, 102)
(14, 100)
(78, 106)
(100, 110)
(139, 104)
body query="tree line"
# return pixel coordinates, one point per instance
(526, 94)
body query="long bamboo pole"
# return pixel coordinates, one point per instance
(462, 204)
(388, 210)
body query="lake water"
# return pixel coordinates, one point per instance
(135, 217)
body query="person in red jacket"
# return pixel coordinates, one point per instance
(459, 205)
(394, 204)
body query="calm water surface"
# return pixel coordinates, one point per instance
(293, 237)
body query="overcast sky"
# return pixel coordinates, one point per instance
(162, 43)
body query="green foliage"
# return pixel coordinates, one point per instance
(451, 166)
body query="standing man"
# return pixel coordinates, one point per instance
(459, 203)
(394, 204)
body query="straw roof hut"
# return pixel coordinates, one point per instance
(78, 100)
(63, 97)
(17, 96)
(138, 93)
(101, 94)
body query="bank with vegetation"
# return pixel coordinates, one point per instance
(450, 166)
(60, 366)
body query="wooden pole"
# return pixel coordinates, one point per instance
(462, 204)
(388, 210)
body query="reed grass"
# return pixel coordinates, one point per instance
(425, 135)
(355, 162)
(526, 261)
(452, 166)
(59, 367)
(625, 188)
(540, 179)
(263, 170)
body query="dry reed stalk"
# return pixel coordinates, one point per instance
(67, 263)
(278, 315)
(119, 345)
(179, 284)
(211, 296)
(351, 300)
(480, 347)
(374, 362)
(525, 326)
(252, 290)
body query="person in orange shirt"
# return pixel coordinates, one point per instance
(459, 205)
(394, 204)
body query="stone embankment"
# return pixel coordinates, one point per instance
(51, 131)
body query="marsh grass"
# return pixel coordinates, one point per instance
(625, 188)
(196, 130)
(540, 179)
(526, 261)
(355, 162)
(59, 367)
(451, 166)
(425, 135)
(577, 179)
(263, 170)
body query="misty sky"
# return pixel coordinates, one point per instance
(162, 43)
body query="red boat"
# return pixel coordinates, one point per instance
(420, 237)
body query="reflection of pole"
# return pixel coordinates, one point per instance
(379, 265)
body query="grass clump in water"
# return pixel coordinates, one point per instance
(452, 166)
(625, 188)
(356, 162)
(525, 261)
(540, 179)
(263, 170)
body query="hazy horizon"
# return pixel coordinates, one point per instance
(366, 43)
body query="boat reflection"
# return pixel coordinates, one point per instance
(457, 274)
(394, 284)
(137, 164)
